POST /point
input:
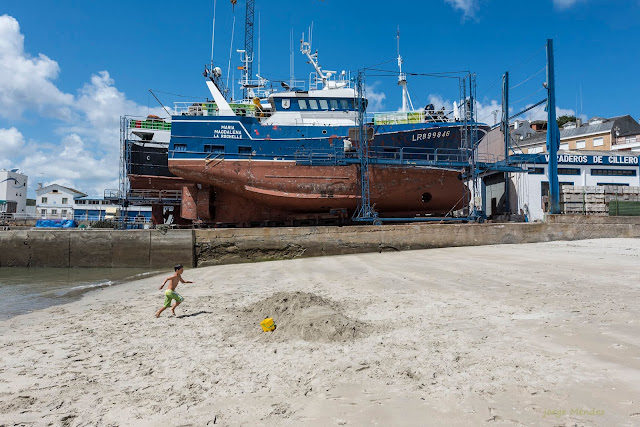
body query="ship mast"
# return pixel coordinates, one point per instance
(321, 75)
(407, 105)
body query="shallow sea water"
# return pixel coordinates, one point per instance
(27, 289)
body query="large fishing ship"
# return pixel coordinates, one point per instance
(293, 154)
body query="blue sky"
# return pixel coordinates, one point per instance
(69, 69)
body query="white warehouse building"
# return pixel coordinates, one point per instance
(529, 190)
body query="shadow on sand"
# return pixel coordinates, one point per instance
(193, 314)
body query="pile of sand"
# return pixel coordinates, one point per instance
(306, 316)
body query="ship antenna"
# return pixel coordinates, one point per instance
(213, 30)
(231, 83)
(402, 79)
(291, 61)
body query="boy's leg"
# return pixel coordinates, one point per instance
(167, 303)
(173, 309)
(178, 299)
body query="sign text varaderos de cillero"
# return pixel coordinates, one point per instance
(581, 159)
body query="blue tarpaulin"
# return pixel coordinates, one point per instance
(56, 223)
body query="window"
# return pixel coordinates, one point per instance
(44, 200)
(217, 149)
(65, 200)
(54, 191)
(564, 146)
(613, 183)
(627, 140)
(598, 142)
(568, 171)
(54, 211)
(313, 104)
(344, 104)
(324, 105)
(536, 150)
(613, 172)
(581, 144)
(536, 171)
(180, 147)
(64, 212)
(302, 104)
(43, 211)
(244, 150)
(334, 104)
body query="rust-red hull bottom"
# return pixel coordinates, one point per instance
(244, 192)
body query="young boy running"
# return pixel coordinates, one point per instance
(171, 293)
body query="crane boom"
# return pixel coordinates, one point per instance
(248, 38)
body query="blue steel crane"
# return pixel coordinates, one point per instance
(248, 39)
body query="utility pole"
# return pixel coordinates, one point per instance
(553, 134)
(505, 128)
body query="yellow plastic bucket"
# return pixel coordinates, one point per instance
(268, 325)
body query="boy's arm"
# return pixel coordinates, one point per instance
(183, 281)
(165, 282)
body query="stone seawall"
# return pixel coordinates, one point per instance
(156, 249)
(96, 248)
(227, 246)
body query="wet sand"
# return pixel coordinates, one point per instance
(458, 336)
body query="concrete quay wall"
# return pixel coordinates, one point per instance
(96, 248)
(227, 246)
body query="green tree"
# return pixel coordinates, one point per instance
(563, 120)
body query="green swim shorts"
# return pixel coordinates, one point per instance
(169, 295)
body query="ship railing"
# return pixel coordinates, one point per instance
(148, 123)
(407, 117)
(155, 195)
(211, 109)
(263, 88)
(342, 81)
(112, 194)
(332, 156)
(404, 155)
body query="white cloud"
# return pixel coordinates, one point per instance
(489, 113)
(87, 155)
(25, 81)
(375, 98)
(74, 166)
(438, 103)
(484, 111)
(468, 7)
(11, 141)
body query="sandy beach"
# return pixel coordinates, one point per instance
(531, 334)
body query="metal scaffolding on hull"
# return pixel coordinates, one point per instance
(466, 158)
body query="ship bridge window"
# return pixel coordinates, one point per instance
(244, 150)
(324, 105)
(180, 147)
(334, 104)
(217, 149)
(302, 104)
(313, 104)
(344, 104)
